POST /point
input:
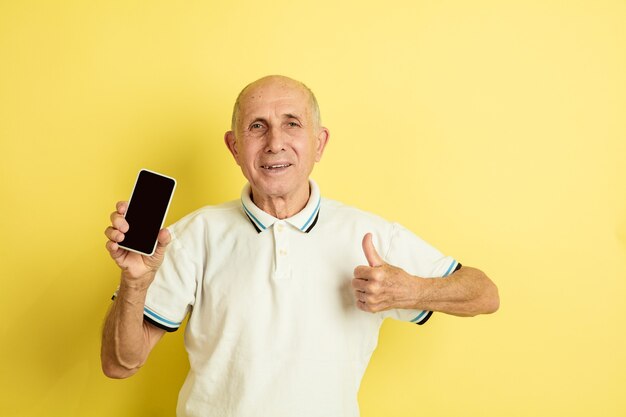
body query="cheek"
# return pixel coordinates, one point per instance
(247, 156)
(307, 150)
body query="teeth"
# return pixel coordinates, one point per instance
(276, 166)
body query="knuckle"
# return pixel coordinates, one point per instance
(120, 224)
(372, 287)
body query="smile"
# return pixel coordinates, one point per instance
(275, 166)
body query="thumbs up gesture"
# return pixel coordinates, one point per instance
(379, 286)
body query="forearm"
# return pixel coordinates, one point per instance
(125, 338)
(467, 292)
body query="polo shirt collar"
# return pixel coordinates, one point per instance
(304, 221)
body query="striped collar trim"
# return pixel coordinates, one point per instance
(304, 221)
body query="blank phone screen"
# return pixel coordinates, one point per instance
(146, 211)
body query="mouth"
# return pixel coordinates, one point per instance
(275, 167)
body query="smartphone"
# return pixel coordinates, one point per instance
(146, 211)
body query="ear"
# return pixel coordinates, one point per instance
(322, 140)
(231, 143)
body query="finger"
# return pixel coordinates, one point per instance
(367, 297)
(369, 273)
(359, 284)
(363, 306)
(373, 258)
(372, 287)
(370, 307)
(119, 222)
(114, 250)
(114, 234)
(121, 207)
(363, 272)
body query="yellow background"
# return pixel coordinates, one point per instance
(495, 130)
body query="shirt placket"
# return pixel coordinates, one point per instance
(282, 251)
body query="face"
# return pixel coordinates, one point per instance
(276, 141)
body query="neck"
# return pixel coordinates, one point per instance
(285, 206)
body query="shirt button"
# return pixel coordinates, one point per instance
(280, 227)
(282, 252)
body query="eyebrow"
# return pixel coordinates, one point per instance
(283, 116)
(258, 119)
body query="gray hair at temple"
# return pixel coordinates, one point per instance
(315, 108)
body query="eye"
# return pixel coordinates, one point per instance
(293, 124)
(256, 125)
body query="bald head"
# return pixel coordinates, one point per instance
(284, 82)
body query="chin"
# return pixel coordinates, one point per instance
(277, 188)
(273, 186)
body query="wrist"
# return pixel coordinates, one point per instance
(417, 291)
(136, 284)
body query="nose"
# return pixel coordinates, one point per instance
(275, 140)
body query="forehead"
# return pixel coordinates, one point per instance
(278, 98)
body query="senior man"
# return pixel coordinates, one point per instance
(285, 290)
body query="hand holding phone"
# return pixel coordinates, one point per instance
(142, 252)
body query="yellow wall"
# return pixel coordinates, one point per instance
(495, 130)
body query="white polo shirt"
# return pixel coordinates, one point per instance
(273, 327)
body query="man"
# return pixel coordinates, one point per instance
(285, 290)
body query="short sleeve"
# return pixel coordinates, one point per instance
(417, 257)
(172, 293)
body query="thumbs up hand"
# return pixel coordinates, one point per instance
(380, 286)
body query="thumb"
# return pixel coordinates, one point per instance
(154, 262)
(373, 258)
(164, 239)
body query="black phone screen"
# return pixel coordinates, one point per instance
(146, 212)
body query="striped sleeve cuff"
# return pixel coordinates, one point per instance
(159, 321)
(422, 317)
